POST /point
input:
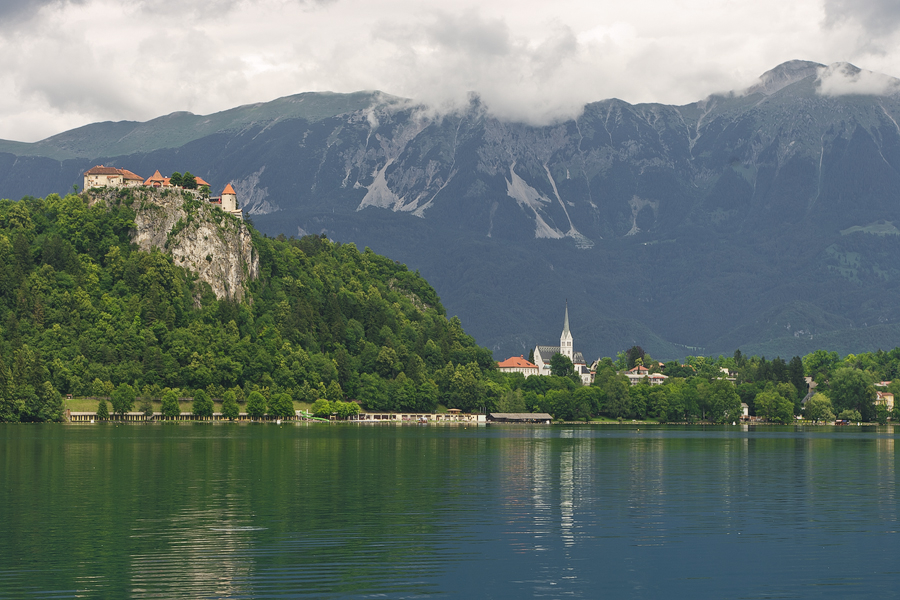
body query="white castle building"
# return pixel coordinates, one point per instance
(543, 354)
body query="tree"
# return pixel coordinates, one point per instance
(774, 407)
(345, 410)
(230, 408)
(102, 410)
(176, 179)
(256, 405)
(819, 408)
(852, 389)
(123, 399)
(881, 414)
(334, 392)
(281, 405)
(188, 181)
(561, 366)
(850, 415)
(170, 407)
(202, 405)
(632, 355)
(321, 408)
(721, 401)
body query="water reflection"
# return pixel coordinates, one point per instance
(338, 512)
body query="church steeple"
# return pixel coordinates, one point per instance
(565, 340)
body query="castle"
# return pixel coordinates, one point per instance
(112, 177)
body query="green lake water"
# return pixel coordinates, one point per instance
(198, 510)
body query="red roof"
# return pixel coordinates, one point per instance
(201, 181)
(229, 190)
(155, 178)
(638, 369)
(101, 170)
(517, 362)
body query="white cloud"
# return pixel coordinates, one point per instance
(841, 79)
(64, 63)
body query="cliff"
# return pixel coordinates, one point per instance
(198, 235)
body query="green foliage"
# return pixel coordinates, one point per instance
(123, 399)
(202, 405)
(102, 410)
(852, 389)
(230, 409)
(176, 178)
(170, 407)
(819, 408)
(321, 408)
(850, 415)
(561, 366)
(81, 308)
(256, 405)
(188, 181)
(281, 405)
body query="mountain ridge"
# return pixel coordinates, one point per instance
(652, 219)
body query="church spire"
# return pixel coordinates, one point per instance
(565, 340)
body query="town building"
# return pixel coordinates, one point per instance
(518, 364)
(639, 372)
(543, 354)
(101, 177)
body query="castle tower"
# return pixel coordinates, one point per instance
(229, 199)
(565, 340)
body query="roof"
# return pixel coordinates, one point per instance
(522, 416)
(566, 322)
(101, 170)
(155, 177)
(229, 190)
(516, 362)
(201, 181)
(638, 369)
(129, 175)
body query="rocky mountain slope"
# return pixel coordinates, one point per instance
(761, 219)
(200, 237)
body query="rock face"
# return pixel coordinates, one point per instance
(198, 236)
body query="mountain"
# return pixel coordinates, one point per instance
(761, 219)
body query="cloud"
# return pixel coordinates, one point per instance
(65, 63)
(842, 79)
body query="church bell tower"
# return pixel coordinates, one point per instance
(565, 340)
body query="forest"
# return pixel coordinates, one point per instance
(84, 313)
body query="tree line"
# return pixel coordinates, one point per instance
(84, 312)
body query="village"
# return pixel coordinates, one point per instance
(113, 177)
(539, 364)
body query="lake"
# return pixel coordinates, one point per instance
(199, 510)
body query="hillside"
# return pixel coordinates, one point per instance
(88, 304)
(761, 219)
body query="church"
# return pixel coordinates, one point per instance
(543, 354)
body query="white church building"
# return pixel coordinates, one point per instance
(543, 354)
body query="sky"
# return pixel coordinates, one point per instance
(67, 63)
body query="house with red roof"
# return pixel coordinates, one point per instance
(518, 364)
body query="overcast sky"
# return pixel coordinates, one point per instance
(66, 63)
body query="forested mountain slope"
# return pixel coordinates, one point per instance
(84, 310)
(763, 219)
